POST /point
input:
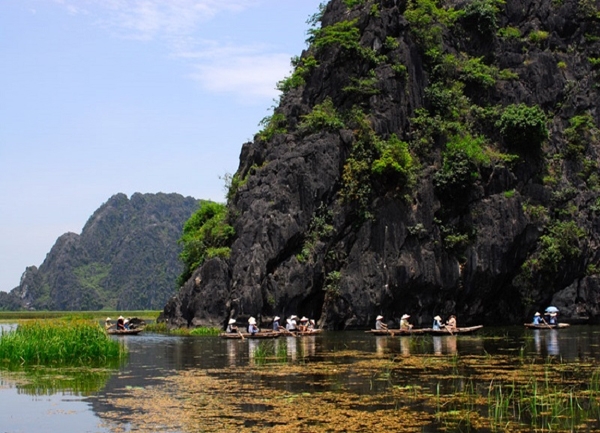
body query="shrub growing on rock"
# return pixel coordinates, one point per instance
(206, 234)
(522, 127)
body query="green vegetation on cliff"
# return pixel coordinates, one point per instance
(205, 235)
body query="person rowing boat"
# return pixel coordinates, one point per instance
(379, 325)
(252, 328)
(231, 328)
(451, 323)
(404, 324)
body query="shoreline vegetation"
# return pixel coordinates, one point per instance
(59, 343)
(11, 316)
(162, 328)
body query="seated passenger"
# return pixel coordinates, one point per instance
(120, 324)
(537, 319)
(303, 324)
(231, 328)
(276, 325)
(404, 323)
(108, 324)
(437, 322)
(252, 328)
(379, 325)
(311, 325)
(293, 326)
(553, 320)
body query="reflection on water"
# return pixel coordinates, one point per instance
(546, 342)
(153, 358)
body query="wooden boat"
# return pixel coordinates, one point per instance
(135, 331)
(239, 335)
(307, 333)
(547, 326)
(453, 331)
(426, 331)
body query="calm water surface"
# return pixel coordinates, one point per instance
(65, 408)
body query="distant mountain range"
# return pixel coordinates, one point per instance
(125, 258)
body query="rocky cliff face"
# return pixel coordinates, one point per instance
(425, 158)
(125, 258)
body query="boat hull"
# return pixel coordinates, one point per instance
(546, 326)
(243, 335)
(426, 331)
(124, 331)
(268, 334)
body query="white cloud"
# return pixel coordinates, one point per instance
(249, 76)
(251, 71)
(150, 19)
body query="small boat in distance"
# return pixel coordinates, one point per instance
(546, 326)
(426, 331)
(135, 331)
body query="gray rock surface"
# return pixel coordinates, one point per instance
(405, 258)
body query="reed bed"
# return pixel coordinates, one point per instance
(270, 351)
(546, 397)
(59, 343)
(13, 316)
(162, 328)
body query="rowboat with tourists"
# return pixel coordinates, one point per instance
(244, 335)
(124, 331)
(292, 329)
(426, 331)
(124, 326)
(548, 321)
(547, 326)
(449, 328)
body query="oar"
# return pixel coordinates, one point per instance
(449, 330)
(241, 335)
(290, 333)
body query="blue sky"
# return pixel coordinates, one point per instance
(99, 97)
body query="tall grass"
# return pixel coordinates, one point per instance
(162, 328)
(59, 343)
(32, 315)
(270, 351)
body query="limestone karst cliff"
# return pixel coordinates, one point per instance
(125, 258)
(428, 157)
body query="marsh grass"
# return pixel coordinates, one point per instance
(271, 351)
(162, 328)
(550, 396)
(205, 331)
(59, 343)
(13, 316)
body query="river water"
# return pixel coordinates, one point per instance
(111, 403)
